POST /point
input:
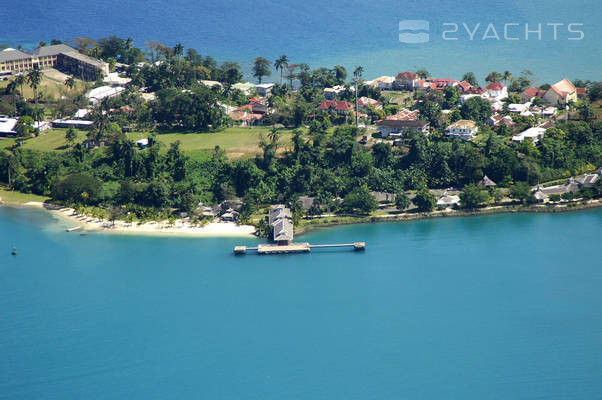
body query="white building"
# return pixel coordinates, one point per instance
(462, 129)
(7, 126)
(496, 91)
(102, 92)
(264, 89)
(532, 133)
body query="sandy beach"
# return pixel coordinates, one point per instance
(179, 228)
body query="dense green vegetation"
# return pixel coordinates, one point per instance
(321, 158)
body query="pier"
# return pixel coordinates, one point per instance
(280, 219)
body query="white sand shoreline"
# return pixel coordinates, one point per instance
(163, 228)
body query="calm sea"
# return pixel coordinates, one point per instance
(496, 307)
(350, 33)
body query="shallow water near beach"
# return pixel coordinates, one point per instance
(501, 306)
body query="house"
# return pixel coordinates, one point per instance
(588, 180)
(113, 79)
(570, 186)
(334, 92)
(245, 118)
(8, 126)
(281, 220)
(486, 182)
(519, 108)
(382, 82)
(440, 84)
(464, 86)
(496, 91)
(365, 102)
(384, 197)
(404, 115)
(446, 200)
(306, 202)
(264, 89)
(534, 134)
(462, 129)
(531, 93)
(406, 81)
(581, 92)
(549, 111)
(561, 93)
(72, 123)
(210, 84)
(98, 94)
(142, 143)
(337, 106)
(498, 119)
(400, 127)
(230, 216)
(247, 87)
(540, 195)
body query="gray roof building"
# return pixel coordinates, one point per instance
(279, 212)
(12, 55)
(283, 230)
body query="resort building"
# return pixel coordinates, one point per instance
(462, 129)
(58, 56)
(334, 92)
(496, 91)
(446, 200)
(561, 93)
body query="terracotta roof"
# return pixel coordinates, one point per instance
(581, 91)
(404, 115)
(338, 105)
(563, 88)
(407, 75)
(495, 86)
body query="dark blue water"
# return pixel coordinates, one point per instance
(349, 33)
(495, 307)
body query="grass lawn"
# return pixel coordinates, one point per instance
(237, 142)
(49, 88)
(11, 196)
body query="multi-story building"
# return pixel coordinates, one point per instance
(58, 56)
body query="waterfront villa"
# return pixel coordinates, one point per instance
(462, 129)
(496, 91)
(406, 81)
(446, 200)
(561, 93)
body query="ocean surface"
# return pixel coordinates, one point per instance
(495, 307)
(349, 33)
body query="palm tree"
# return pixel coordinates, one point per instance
(357, 75)
(178, 50)
(20, 81)
(274, 135)
(70, 83)
(34, 78)
(12, 89)
(507, 76)
(340, 74)
(290, 70)
(280, 64)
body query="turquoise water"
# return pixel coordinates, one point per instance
(320, 33)
(494, 307)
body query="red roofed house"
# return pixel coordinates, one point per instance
(498, 119)
(338, 106)
(531, 93)
(440, 84)
(404, 115)
(496, 91)
(364, 102)
(464, 86)
(561, 93)
(245, 118)
(406, 81)
(581, 92)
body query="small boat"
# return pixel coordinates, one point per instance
(14, 252)
(76, 228)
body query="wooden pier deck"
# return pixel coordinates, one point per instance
(292, 248)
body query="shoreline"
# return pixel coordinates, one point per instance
(89, 224)
(405, 217)
(230, 229)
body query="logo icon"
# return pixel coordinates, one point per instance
(413, 25)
